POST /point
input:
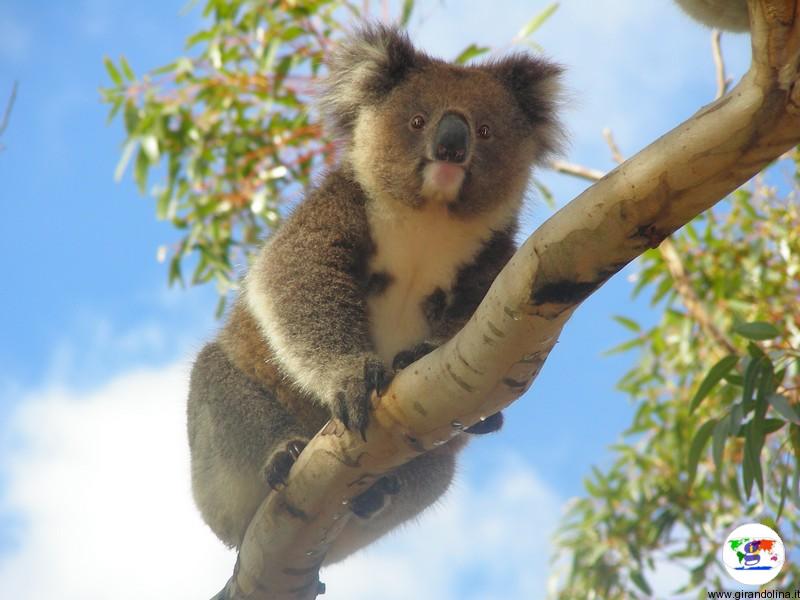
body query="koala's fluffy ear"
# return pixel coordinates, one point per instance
(362, 69)
(535, 83)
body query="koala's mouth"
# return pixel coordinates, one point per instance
(442, 181)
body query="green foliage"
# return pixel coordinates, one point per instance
(667, 496)
(228, 130)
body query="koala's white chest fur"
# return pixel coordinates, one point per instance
(420, 251)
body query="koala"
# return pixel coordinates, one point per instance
(730, 15)
(385, 259)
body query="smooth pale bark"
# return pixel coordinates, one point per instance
(498, 354)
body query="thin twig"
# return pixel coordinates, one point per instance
(612, 145)
(691, 301)
(9, 106)
(719, 64)
(579, 171)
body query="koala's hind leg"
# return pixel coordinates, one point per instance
(235, 426)
(403, 495)
(367, 504)
(280, 463)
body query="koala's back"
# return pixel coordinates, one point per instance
(240, 408)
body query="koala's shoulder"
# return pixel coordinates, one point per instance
(335, 205)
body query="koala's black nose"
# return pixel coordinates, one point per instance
(452, 139)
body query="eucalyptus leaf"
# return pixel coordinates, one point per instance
(405, 15)
(112, 71)
(715, 374)
(641, 582)
(698, 445)
(470, 52)
(783, 408)
(537, 21)
(757, 330)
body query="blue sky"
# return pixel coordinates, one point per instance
(87, 317)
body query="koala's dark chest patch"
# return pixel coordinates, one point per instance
(418, 254)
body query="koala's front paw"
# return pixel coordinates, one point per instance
(353, 400)
(367, 504)
(490, 424)
(280, 463)
(406, 357)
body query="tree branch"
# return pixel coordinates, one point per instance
(669, 254)
(719, 64)
(497, 355)
(7, 112)
(567, 168)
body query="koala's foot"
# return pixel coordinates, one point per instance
(490, 424)
(406, 357)
(280, 463)
(352, 402)
(368, 504)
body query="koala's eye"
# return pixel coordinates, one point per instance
(483, 131)
(418, 122)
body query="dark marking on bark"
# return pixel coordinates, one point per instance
(564, 292)
(488, 340)
(513, 383)
(414, 443)
(292, 510)
(651, 235)
(714, 107)
(299, 572)
(420, 409)
(465, 363)
(461, 383)
(364, 480)
(495, 330)
(531, 358)
(513, 314)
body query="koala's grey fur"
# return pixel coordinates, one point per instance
(393, 248)
(730, 15)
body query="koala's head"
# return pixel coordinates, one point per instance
(419, 130)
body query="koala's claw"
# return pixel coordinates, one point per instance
(279, 465)
(369, 503)
(353, 401)
(490, 424)
(295, 447)
(406, 357)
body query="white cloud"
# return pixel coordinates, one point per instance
(100, 481)
(484, 542)
(101, 484)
